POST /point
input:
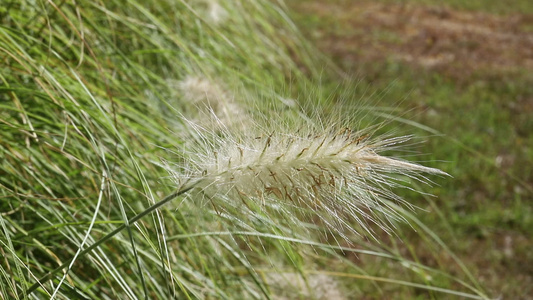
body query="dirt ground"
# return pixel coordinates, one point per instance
(457, 43)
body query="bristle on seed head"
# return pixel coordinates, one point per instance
(334, 175)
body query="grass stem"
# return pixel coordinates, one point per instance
(131, 221)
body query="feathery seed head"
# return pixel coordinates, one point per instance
(331, 175)
(209, 103)
(314, 286)
(201, 90)
(216, 13)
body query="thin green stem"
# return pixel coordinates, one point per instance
(136, 218)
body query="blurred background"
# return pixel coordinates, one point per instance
(464, 70)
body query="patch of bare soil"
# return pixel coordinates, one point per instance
(457, 43)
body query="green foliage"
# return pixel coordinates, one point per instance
(91, 101)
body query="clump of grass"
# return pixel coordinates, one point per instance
(86, 111)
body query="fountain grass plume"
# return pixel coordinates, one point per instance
(209, 103)
(337, 175)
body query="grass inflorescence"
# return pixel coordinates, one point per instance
(335, 175)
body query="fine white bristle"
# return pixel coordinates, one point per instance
(335, 176)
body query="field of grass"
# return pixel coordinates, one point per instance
(475, 112)
(106, 108)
